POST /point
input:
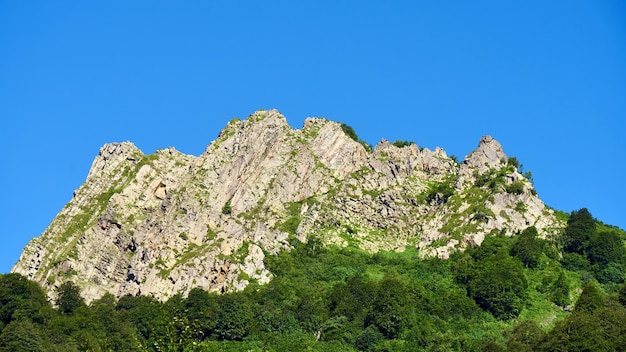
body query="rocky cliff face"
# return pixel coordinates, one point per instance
(164, 223)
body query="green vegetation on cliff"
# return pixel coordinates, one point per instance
(509, 294)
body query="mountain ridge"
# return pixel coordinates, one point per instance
(164, 223)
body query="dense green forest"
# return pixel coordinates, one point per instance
(521, 293)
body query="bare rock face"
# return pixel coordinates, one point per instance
(488, 155)
(165, 223)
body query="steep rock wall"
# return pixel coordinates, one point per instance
(164, 223)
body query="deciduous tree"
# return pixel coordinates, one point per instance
(69, 298)
(499, 286)
(580, 228)
(528, 247)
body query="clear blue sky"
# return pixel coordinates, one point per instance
(545, 78)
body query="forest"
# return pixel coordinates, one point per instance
(520, 293)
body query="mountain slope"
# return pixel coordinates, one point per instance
(164, 223)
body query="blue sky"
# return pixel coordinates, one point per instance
(545, 78)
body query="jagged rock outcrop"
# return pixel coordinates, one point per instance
(164, 223)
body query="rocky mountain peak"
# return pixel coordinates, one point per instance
(164, 223)
(488, 155)
(111, 154)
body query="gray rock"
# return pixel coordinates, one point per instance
(157, 224)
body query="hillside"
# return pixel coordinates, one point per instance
(520, 293)
(164, 223)
(283, 239)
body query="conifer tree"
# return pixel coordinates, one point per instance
(560, 291)
(590, 299)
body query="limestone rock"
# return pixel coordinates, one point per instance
(488, 155)
(165, 223)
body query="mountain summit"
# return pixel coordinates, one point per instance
(165, 223)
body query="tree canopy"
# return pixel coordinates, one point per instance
(494, 297)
